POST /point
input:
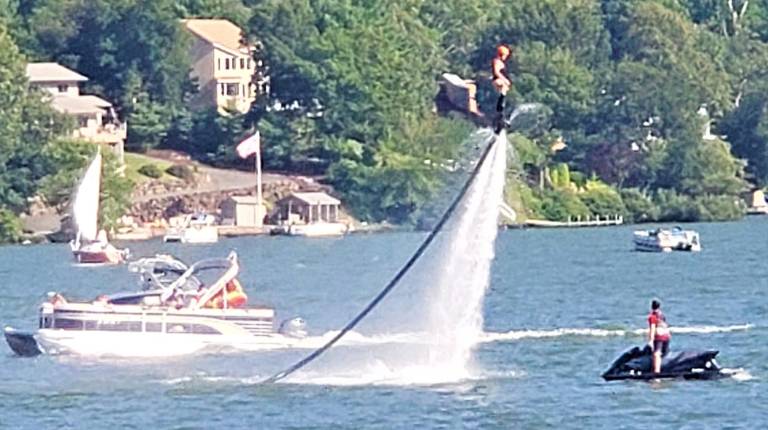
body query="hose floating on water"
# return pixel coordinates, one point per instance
(392, 283)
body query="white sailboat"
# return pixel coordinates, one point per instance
(90, 245)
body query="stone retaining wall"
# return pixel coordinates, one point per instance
(148, 209)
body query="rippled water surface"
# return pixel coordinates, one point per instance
(561, 305)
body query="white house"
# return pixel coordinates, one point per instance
(223, 64)
(96, 120)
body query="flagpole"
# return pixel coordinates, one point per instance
(259, 195)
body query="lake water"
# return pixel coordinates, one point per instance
(562, 304)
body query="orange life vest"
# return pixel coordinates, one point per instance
(235, 296)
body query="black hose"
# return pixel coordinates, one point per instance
(391, 285)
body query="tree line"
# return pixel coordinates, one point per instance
(627, 85)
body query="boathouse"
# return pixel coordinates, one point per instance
(308, 208)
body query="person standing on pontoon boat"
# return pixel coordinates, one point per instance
(658, 334)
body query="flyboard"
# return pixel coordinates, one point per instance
(505, 123)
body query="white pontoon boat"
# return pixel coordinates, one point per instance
(666, 240)
(180, 310)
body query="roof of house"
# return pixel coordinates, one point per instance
(52, 72)
(79, 104)
(96, 101)
(314, 198)
(217, 31)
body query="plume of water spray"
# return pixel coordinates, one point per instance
(465, 253)
(456, 275)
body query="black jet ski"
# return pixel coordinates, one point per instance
(636, 364)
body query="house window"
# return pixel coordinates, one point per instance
(82, 121)
(219, 63)
(242, 63)
(232, 89)
(223, 89)
(63, 88)
(226, 63)
(249, 64)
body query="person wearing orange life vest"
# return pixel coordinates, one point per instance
(235, 296)
(501, 80)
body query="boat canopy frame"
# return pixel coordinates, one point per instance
(230, 266)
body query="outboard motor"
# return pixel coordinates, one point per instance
(294, 327)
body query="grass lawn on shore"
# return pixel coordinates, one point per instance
(133, 163)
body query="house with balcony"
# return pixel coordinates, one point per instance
(223, 65)
(95, 118)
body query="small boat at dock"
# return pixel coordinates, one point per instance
(194, 228)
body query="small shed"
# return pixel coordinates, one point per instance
(243, 211)
(308, 208)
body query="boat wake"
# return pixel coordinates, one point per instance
(423, 338)
(512, 335)
(738, 374)
(376, 374)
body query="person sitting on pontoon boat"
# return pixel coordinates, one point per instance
(235, 296)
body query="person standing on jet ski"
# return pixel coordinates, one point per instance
(501, 81)
(658, 334)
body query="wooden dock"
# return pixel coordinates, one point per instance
(236, 231)
(596, 221)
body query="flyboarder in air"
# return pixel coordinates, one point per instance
(501, 82)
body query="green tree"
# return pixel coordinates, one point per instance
(347, 74)
(552, 76)
(747, 130)
(133, 51)
(462, 25)
(233, 10)
(603, 200)
(27, 124)
(116, 190)
(575, 26)
(64, 161)
(10, 227)
(149, 125)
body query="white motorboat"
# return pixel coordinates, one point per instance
(91, 245)
(180, 310)
(195, 228)
(666, 240)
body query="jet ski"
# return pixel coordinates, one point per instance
(636, 364)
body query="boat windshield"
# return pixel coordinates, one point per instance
(175, 280)
(166, 272)
(202, 274)
(158, 272)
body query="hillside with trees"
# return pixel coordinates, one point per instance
(628, 85)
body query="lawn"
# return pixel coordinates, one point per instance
(134, 161)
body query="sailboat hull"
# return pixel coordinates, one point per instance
(90, 254)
